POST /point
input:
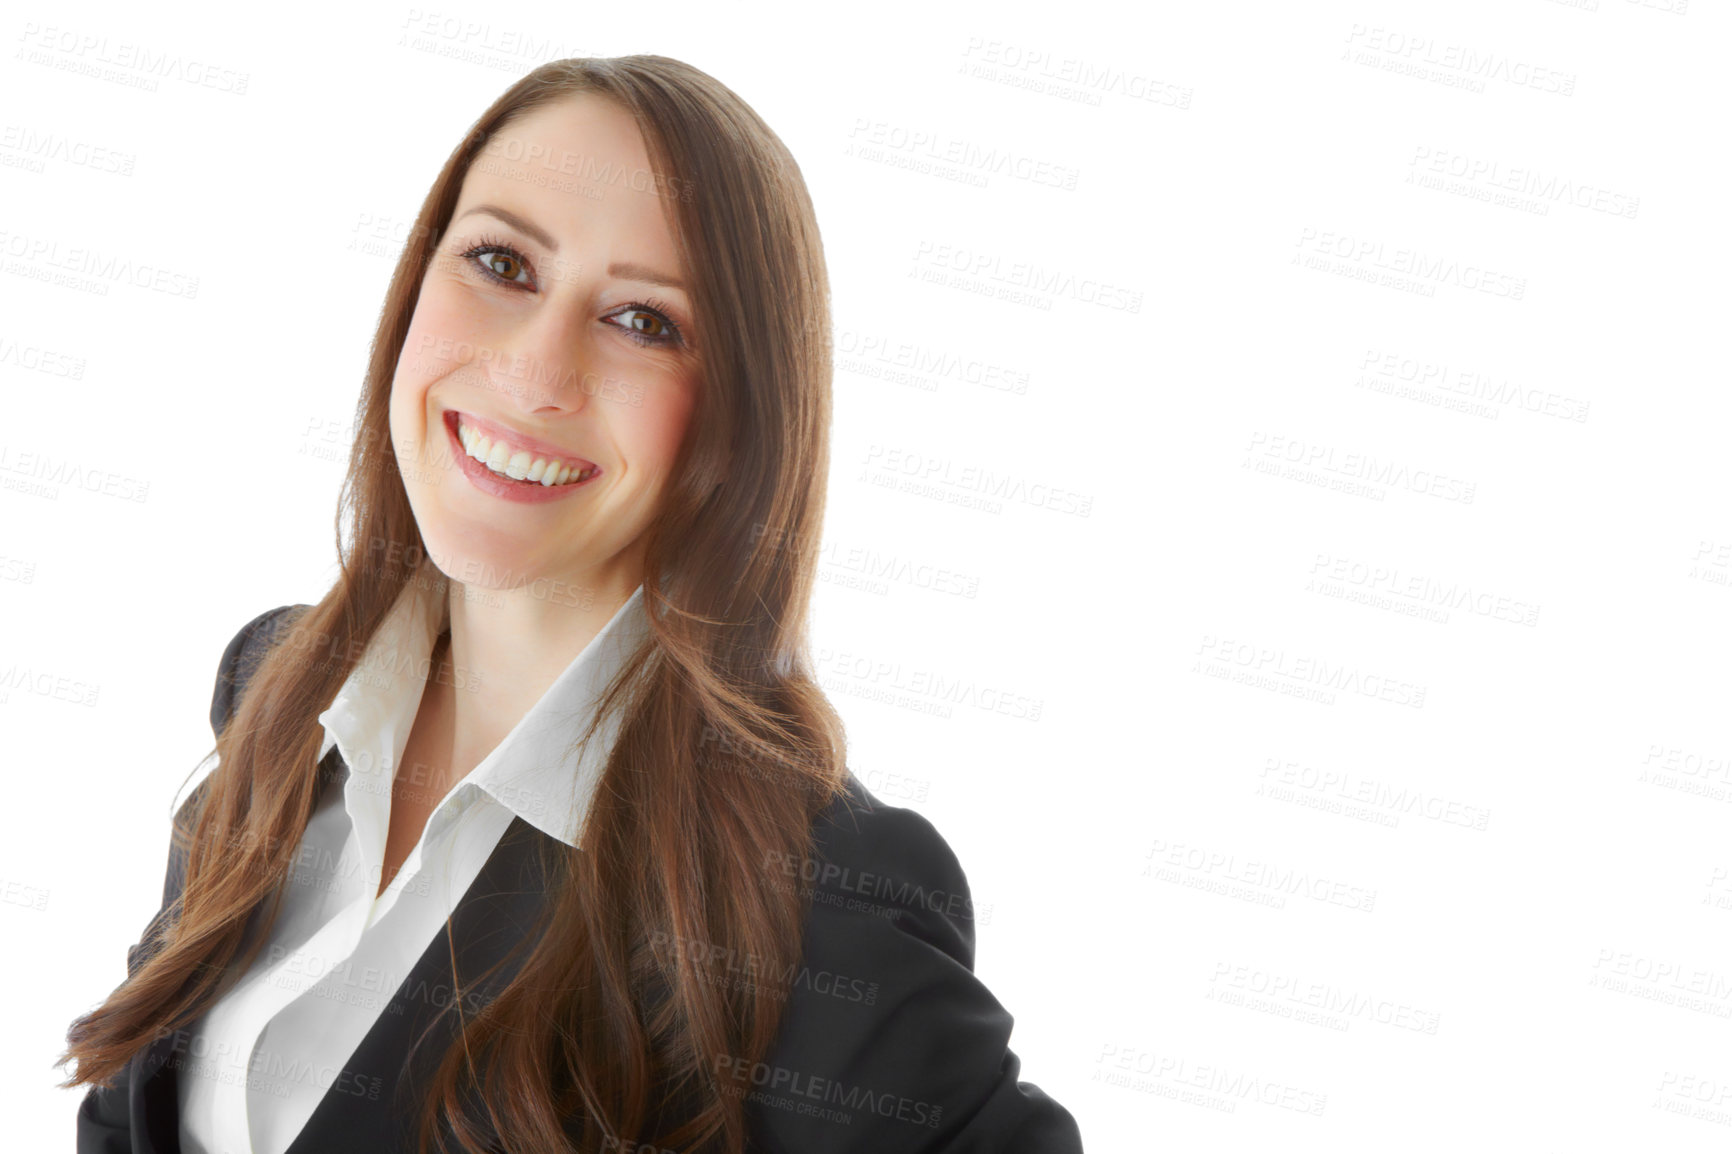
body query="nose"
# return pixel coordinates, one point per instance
(544, 361)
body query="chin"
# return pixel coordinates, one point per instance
(473, 559)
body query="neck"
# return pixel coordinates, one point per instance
(501, 651)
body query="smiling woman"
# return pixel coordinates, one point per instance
(536, 832)
(533, 301)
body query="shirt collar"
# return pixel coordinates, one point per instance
(534, 771)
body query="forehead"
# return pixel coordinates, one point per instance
(580, 169)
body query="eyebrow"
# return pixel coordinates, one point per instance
(626, 270)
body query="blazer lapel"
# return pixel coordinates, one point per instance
(372, 1103)
(153, 1104)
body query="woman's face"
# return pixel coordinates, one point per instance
(551, 321)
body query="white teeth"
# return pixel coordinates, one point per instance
(521, 465)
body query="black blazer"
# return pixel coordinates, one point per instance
(888, 1040)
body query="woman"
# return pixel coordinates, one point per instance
(498, 896)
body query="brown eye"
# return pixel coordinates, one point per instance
(503, 264)
(500, 262)
(646, 325)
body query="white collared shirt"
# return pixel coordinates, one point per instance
(258, 1062)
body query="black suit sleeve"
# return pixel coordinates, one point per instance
(242, 657)
(889, 1041)
(104, 1124)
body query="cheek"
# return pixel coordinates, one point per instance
(431, 349)
(431, 346)
(408, 393)
(660, 424)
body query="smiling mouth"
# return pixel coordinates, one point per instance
(512, 462)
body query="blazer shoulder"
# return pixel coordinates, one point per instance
(892, 861)
(242, 656)
(860, 821)
(888, 1040)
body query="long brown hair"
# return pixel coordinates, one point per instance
(726, 749)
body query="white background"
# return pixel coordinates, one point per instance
(1356, 517)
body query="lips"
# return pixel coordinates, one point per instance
(558, 485)
(514, 440)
